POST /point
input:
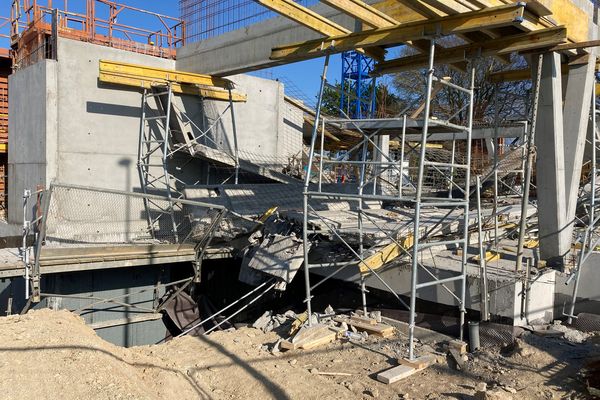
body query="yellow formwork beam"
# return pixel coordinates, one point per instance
(363, 12)
(505, 45)
(193, 90)
(304, 16)
(485, 19)
(161, 74)
(385, 255)
(142, 76)
(310, 19)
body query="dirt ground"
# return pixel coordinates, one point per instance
(53, 355)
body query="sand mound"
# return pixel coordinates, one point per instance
(53, 354)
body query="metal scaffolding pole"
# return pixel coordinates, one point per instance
(306, 187)
(588, 243)
(529, 165)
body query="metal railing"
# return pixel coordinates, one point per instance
(72, 216)
(160, 39)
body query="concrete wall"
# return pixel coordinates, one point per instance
(505, 291)
(32, 158)
(79, 131)
(98, 124)
(102, 284)
(588, 294)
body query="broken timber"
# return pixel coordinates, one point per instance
(311, 337)
(377, 329)
(385, 255)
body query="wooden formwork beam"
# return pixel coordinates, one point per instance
(314, 21)
(527, 41)
(508, 15)
(374, 18)
(141, 76)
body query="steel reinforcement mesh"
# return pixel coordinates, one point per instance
(208, 18)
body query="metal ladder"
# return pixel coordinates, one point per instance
(153, 155)
(421, 202)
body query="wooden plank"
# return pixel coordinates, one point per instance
(378, 330)
(487, 18)
(527, 41)
(395, 374)
(363, 320)
(419, 362)
(311, 337)
(458, 345)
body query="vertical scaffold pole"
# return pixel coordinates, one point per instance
(415, 255)
(529, 165)
(463, 269)
(306, 185)
(588, 235)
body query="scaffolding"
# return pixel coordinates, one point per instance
(371, 161)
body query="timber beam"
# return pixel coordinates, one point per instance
(374, 18)
(141, 76)
(313, 21)
(506, 45)
(508, 15)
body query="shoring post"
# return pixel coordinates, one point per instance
(321, 153)
(496, 153)
(485, 315)
(235, 138)
(361, 249)
(463, 271)
(402, 143)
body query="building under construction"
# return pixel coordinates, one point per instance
(158, 182)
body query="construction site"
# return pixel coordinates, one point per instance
(300, 199)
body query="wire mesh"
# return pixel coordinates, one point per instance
(80, 215)
(209, 18)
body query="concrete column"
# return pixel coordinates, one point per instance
(555, 241)
(576, 115)
(490, 147)
(383, 142)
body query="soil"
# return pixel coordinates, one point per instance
(53, 354)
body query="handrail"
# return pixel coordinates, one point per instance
(166, 34)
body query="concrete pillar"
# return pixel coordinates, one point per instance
(490, 147)
(576, 115)
(383, 142)
(555, 241)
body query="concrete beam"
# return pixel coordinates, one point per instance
(555, 241)
(250, 48)
(576, 111)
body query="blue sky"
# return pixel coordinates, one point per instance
(305, 75)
